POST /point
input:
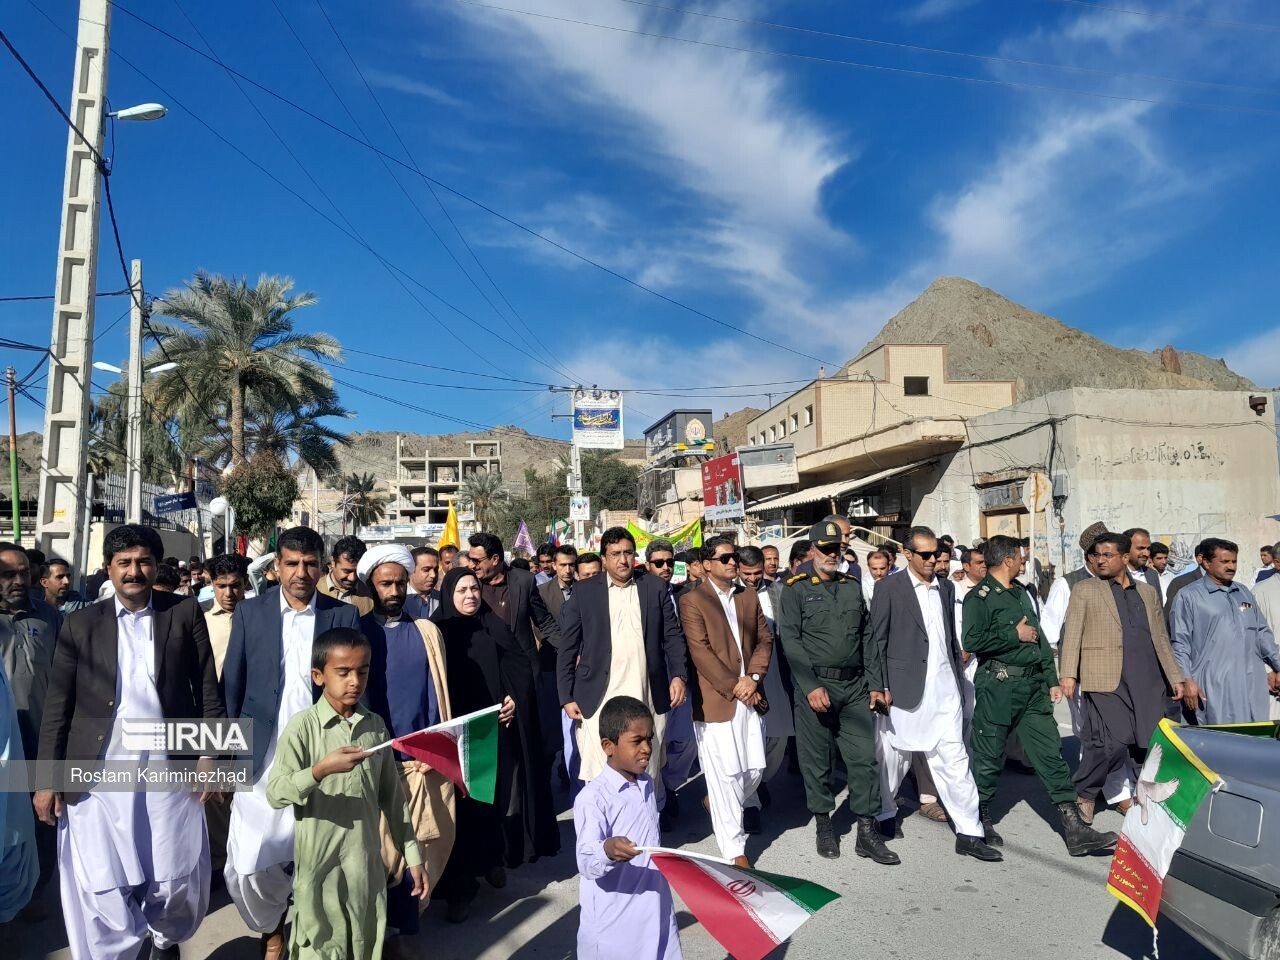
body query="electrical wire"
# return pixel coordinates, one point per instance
(569, 251)
(50, 296)
(885, 68)
(562, 370)
(942, 51)
(1181, 17)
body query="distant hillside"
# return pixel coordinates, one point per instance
(989, 337)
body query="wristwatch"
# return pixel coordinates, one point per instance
(755, 677)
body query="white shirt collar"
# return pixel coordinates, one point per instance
(916, 582)
(286, 608)
(123, 611)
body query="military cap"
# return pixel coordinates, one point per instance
(825, 533)
(1092, 533)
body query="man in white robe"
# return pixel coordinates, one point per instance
(133, 862)
(729, 647)
(913, 625)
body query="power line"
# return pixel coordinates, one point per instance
(50, 296)
(942, 51)
(439, 183)
(563, 370)
(1183, 18)
(884, 68)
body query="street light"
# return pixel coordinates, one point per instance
(112, 368)
(133, 414)
(142, 112)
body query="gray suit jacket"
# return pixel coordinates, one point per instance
(898, 632)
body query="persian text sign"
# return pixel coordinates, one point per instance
(722, 488)
(597, 419)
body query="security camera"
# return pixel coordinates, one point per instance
(1258, 405)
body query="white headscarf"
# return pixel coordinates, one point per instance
(382, 553)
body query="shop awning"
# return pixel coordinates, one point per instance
(828, 491)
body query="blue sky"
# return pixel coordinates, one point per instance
(795, 197)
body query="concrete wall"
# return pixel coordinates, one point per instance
(1184, 464)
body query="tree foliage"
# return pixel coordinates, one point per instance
(262, 492)
(361, 502)
(484, 494)
(610, 483)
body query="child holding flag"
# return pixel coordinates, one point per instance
(339, 789)
(627, 912)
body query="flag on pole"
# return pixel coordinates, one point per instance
(749, 912)
(464, 750)
(523, 541)
(450, 536)
(1172, 785)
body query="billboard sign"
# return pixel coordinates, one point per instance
(597, 419)
(772, 465)
(722, 488)
(678, 430)
(579, 508)
(174, 502)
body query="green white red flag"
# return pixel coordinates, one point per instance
(1172, 785)
(464, 750)
(748, 911)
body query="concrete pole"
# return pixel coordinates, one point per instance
(64, 456)
(11, 376)
(133, 441)
(575, 489)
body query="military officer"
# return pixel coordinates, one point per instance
(839, 681)
(1016, 686)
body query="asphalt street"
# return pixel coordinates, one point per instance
(1037, 903)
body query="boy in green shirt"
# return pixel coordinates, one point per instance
(339, 790)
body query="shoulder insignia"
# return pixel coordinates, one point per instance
(983, 590)
(796, 579)
(999, 589)
(815, 579)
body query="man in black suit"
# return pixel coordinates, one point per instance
(620, 637)
(913, 626)
(267, 675)
(1140, 559)
(134, 863)
(555, 594)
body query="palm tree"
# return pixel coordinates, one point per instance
(484, 495)
(233, 342)
(294, 437)
(361, 502)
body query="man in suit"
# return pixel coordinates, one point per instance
(555, 594)
(913, 629)
(1054, 613)
(267, 676)
(1116, 648)
(620, 637)
(1140, 560)
(424, 598)
(729, 644)
(133, 863)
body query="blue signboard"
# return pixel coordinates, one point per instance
(174, 502)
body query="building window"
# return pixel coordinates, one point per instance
(795, 422)
(915, 386)
(782, 430)
(773, 434)
(808, 415)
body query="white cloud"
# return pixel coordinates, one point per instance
(935, 10)
(1258, 358)
(403, 84)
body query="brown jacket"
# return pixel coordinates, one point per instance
(1093, 640)
(358, 598)
(715, 666)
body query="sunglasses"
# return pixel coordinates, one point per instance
(830, 550)
(726, 557)
(662, 563)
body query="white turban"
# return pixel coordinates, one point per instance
(382, 553)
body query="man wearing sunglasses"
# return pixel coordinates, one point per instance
(913, 628)
(729, 646)
(839, 684)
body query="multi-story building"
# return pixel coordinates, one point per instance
(860, 435)
(426, 485)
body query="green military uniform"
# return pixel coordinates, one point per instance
(826, 632)
(1020, 701)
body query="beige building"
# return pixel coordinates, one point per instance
(867, 431)
(426, 485)
(1185, 464)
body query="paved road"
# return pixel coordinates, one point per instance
(1038, 903)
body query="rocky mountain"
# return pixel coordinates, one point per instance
(992, 338)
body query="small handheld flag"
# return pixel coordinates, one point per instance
(464, 750)
(748, 911)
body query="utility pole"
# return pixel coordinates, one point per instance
(133, 440)
(11, 376)
(64, 456)
(574, 480)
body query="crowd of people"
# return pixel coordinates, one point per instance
(925, 660)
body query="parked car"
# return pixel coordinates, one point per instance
(1223, 885)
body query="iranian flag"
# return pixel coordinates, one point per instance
(1172, 785)
(464, 750)
(749, 911)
